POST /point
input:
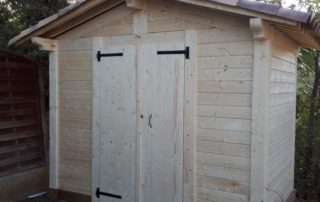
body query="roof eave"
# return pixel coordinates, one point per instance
(309, 35)
(58, 19)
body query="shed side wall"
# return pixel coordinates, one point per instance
(281, 140)
(224, 88)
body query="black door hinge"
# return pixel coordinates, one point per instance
(99, 55)
(184, 52)
(98, 193)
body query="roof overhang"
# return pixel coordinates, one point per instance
(66, 19)
(300, 26)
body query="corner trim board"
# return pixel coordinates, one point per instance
(189, 140)
(53, 119)
(260, 109)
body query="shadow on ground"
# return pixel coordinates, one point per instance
(41, 199)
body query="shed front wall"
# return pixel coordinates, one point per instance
(223, 109)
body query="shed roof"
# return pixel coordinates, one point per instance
(300, 26)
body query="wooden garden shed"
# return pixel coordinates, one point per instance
(171, 101)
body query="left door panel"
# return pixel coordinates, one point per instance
(114, 165)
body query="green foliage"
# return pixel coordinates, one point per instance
(313, 6)
(17, 15)
(306, 176)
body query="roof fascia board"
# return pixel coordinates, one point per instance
(237, 10)
(75, 22)
(57, 19)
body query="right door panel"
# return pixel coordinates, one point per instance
(162, 93)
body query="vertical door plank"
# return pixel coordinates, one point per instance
(162, 130)
(118, 116)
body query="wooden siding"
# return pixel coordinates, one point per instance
(224, 114)
(224, 87)
(75, 114)
(281, 140)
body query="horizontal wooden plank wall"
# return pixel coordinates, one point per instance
(75, 114)
(224, 114)
(280, 169)
(118, 21)
(223, 96)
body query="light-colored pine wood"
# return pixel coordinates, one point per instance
(44, 44)
(226, 161)
(243, 100)
(136, 4)
(53, 120)
(162, 130)
(260, 108)
(75, 75)
(107, 24)
(76, 85)
(140, 22)
(116, 156)
(225, 62)
(76, 104)
(220, 184)
(83, 44)
(280, 169)
(96, 117)
(66, 56)
(224, 112)
(223, 148)
(78, 65)
(118, 122)
(216, 35)
(189, 136)
(224, 124)
(223, 136)
(223, 172)
(226, 49)
(200, 17)
(214, 195)
(77, 95)
(225, 74)
(220, 86)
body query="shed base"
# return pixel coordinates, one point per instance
(68, 196)
(292, 196)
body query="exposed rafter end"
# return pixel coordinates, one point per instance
(260, 29)
(136, 4)
(44, 44)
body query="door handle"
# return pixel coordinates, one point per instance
(150, 121)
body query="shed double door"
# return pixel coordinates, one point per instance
(138, 118)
